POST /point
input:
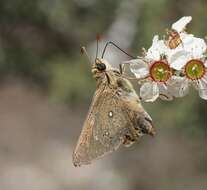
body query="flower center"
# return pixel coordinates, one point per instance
(195, 69)
(160, 71)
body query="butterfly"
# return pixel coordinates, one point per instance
(116, 116)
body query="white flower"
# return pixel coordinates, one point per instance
(193, 66)
(170, 67)
(155, 71)
(188, 59)
(195, 72)
(151, 87)
(156, 75)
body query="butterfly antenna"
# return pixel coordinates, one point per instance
(97, 45)
(112, 43)
(84, 51)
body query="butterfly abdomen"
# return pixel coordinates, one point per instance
(141, 122)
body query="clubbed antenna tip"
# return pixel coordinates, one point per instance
(99, 37)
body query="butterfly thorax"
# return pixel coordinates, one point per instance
(104, 73)
(114, 80)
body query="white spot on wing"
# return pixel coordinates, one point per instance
(110, 114)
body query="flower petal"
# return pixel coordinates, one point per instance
(203, 94)
(180, 25)
(157, 49)
(149, 92)
(196, 46)
(139, 68)
(203, 84)
(178, 59)
(178, 86)
(186, 38)
(164, 92)
(200, 84)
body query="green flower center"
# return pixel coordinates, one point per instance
(160, 71)
(195, 69)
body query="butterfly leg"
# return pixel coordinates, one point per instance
(131, 135)
(128, 140)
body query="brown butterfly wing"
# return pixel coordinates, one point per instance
(104, 128)
(116, 116)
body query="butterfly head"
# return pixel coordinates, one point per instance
(100, 65)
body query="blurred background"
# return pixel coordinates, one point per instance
(46, 89)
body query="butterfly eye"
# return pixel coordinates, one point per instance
(101, 66)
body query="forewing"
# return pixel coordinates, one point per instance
(104, 128)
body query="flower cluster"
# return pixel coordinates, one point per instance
(171, 65)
